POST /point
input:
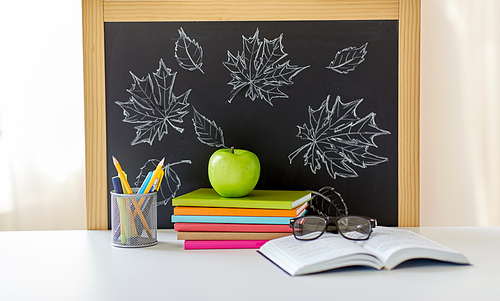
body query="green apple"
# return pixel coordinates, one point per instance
(233, 172)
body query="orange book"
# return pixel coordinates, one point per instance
(222, 211)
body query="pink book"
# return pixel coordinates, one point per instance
(223, 244)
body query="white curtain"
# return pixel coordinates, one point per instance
(41, 116)
(460, 109)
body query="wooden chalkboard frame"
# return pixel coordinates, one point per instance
(96, 12)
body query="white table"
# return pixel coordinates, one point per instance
(82, 265)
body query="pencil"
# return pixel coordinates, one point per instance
(117, 185)
(162, 173)
(121, 174)
(156, 173)
(128, 190)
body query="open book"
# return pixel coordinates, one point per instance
(385, 249)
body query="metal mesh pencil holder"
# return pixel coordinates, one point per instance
(134, 219)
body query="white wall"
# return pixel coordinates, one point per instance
(42, 151)
(41, 116)
(460, 109)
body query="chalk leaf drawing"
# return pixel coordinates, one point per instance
(328, 202)
(207, 130)
(339, 138)
(153, 105)
(170, 183)
(259, 69)
(348, 59)
(188, 52)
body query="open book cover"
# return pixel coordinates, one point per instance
(385, 249)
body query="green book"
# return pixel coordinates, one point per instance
(264, 199)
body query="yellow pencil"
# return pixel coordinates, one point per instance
(155, 175)
(162, 174)
(158, 173)
(121, 174)
(128, 190)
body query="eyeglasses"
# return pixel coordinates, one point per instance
(350, 226)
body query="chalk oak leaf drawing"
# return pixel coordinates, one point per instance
(338, 138)
(153, 106)
(348, 59)
(260, 69)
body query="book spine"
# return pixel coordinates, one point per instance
(257, 199)
(230, 219)
(223, 244)
(234, 211)
(233, 204)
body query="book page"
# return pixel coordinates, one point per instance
(326, 247)
(327, 252)
(394, 246)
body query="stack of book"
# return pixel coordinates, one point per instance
(205, 220)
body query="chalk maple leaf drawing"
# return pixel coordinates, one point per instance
(153, 106)
(170, 183)
(338, 138)
(188, 52)
(259, 69)
(348, 59)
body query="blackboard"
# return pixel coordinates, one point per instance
(274, 128)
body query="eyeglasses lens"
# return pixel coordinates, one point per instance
(309, 227)
(354, 227)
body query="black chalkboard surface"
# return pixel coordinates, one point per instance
(316, 101)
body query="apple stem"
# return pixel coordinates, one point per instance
(232, 150)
